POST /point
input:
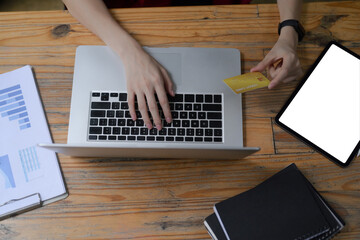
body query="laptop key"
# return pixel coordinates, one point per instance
(189, 98)
(100, 105)
(104, 96)
(131, 138)
(198, 139)
(121, 122)
(110, 113)
(95, 130)
(199, 98)
(217, 132)
(208, 132)
(201, 115)
(179, 98)
(125, 131)
(144, 131)
(190, 132)
(183, 115)
(189, 139)
(176, 123)
(124, 105)
(204, 123)
(179, 139)
(160, 139)
(122, 97)
(217, 98)
(185, 123)
(94, 121)
(116, 130)
(119, 114)
(92, 137)
(114, 94)
(96, 94)
(115, 105)
(135, 131)
(107, 130)
(170, 139)
(130, 122)
(97, 113)
(162, 131)
(111, 137)
(192, 115)
(197, 107)
(103, 122)
(208, 98)
(112, 122)
(140, 138)
(181, 132)
(121, 138)
(214, 115)
(101, 137)
(194, 123)
(150, 138)
(217, 139)
(215, 124)
(208, 139)
(211, 107)
(199, 132)
(172, 131)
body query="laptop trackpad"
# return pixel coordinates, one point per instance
(172, 63)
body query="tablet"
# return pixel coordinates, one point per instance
(324, 110)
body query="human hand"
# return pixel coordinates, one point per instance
(145, 78)
(282, 63)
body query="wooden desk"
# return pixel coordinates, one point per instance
(169, 199)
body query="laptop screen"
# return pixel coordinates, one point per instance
(326, 109)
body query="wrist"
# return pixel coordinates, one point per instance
(289, 35)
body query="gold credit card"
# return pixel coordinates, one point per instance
(247, 82)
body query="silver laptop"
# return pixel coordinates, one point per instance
(207, 115)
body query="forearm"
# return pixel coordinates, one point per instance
(289, 9)
(94, 15)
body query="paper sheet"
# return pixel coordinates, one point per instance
(25, 168)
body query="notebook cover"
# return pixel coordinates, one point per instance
(214, 228)
(282, 207)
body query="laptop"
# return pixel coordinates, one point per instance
(207, 115)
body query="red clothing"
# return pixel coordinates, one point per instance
(163, 3)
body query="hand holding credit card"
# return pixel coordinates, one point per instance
(247, 82)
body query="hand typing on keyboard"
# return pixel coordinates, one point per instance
(145, 79)
(197, 118)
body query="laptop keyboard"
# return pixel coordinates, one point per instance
(196, 118)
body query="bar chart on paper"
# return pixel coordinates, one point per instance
(30, 163)
(6, 175)
(12, 106)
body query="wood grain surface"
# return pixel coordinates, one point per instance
(169, 199)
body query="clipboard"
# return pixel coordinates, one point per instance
(30, 176)
(17, 206)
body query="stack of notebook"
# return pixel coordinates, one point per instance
(285, 206)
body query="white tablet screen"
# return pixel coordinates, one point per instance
(326, 110)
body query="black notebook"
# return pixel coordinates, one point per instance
(285, 206)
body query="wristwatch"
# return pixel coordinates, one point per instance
(295, 24)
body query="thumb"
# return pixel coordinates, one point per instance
(261, 66)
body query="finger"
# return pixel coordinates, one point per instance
(144, 110)
(266, 62)
(169, 85)
(278, 78)
(131, 103)
(152, 105)
(164, 103)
